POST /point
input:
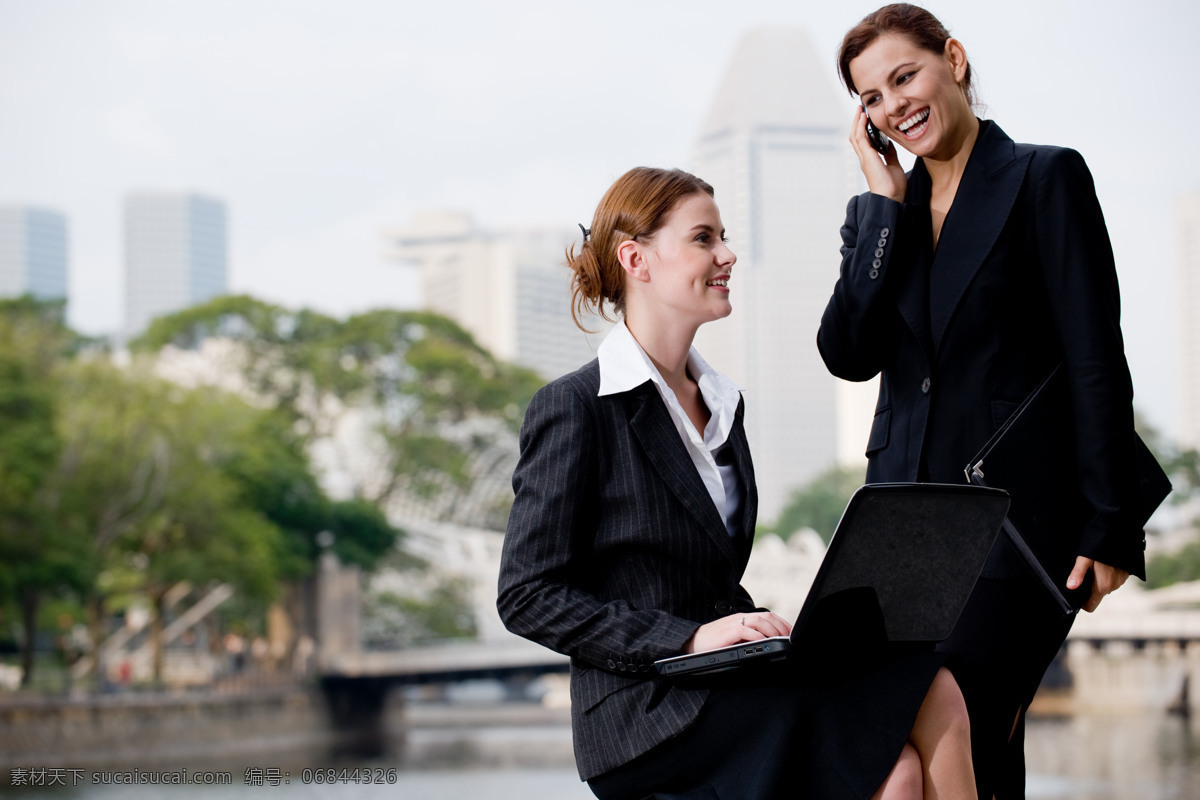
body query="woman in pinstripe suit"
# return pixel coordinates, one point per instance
(631, 528)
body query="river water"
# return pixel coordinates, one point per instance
(1092, 757)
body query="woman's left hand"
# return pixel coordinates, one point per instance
(1106, 580)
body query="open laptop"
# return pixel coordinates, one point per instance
(899, 568)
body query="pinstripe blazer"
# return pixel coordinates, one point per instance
(614, 555)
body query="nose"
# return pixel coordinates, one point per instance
(893, 104)
(725, 256)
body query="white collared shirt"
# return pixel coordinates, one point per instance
(625, 366)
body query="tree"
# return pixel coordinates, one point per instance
(165, 485)
(819, 504)
(35, 556)
(442, 411)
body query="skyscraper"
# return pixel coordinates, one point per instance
(774, 146)
(176, 254)
(1187, 259)
(510, 290)
(33, 252)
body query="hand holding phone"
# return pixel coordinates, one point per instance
(878, 140)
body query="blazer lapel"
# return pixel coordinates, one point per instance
(981, 207)
(912, 299)
(651, 424)
(745, 469)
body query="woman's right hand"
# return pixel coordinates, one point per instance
(884, 174)
(737, 628)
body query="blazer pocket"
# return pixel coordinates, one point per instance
(880, 431)
(590, 687)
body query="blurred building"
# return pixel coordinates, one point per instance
(774, 146)
(176, 254)
(510, 289)
(1187, 259)
(33, 252)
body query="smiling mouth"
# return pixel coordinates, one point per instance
(914, 124)
(722, 282)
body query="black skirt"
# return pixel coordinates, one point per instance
(803, 728)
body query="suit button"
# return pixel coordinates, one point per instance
(874, 273)
(723, 607)
(879, 252)
(881, 243)
(877, 263)
(884, 233)
(620, 666)
(925, 384)
(612, 664)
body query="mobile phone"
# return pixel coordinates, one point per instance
(878, 140)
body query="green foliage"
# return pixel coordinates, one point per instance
(1164, 570)
(441, 405)
(362, 534)
(819, 505)
(117, 485)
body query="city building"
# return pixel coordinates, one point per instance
(510, 290)
(1187, 259)
(176, 254)
(33, 252)
(774, 146)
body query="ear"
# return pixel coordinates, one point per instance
(633, 261)
(956, 57)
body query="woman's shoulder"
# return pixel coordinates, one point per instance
(583, 383)
(1056, 169)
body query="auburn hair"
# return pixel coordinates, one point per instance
(636, 206)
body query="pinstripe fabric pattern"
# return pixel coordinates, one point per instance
(614, 555)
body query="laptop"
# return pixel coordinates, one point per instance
(899, 569)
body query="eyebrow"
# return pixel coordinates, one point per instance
(891, 75)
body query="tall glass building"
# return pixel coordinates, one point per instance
(774, 146)
(176, 254)
(33, 252)
(509, 289)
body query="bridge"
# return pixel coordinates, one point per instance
(446, 663)
(357, 683)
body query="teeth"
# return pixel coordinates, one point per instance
(719, 282)
(915, 119)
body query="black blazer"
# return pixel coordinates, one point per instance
(614, 555)
(1022, 277)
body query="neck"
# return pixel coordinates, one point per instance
(945, 172)
(666, 345)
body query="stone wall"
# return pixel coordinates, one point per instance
(143, 729)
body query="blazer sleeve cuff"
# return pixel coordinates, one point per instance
(1114, 544)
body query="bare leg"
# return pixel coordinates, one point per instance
(941, 735)
(906, 781)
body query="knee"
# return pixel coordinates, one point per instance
(906, 781)
(947, 702)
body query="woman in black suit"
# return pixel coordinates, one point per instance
(963, 284)
(629, 534)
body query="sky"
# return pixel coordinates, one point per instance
(323, 125)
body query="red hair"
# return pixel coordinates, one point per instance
(636, 206)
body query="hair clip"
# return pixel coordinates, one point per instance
(586, 231)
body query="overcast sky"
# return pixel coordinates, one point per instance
(321, 124)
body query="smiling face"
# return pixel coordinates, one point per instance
(915, 95)
(687, 264)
